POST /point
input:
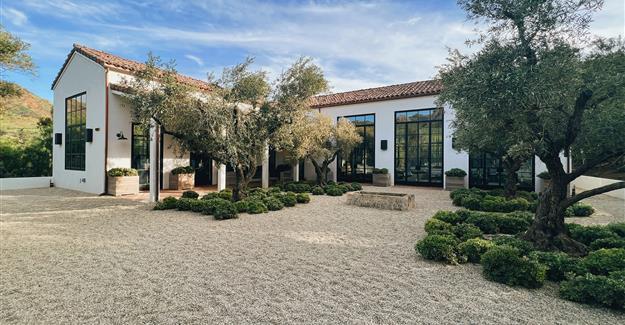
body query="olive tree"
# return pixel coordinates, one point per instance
(563, 95)
(236, 120)
(13, 57)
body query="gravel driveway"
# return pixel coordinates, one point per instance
(70, 258)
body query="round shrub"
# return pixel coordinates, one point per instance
(273, 190)
(588, 234)
(595, 290)
(487, 222)
(302, 198)
(334, 191)
(241, 206)
(318, 190)
(225, 210)
(617, 228)
(510, 225)
(167, 203)
(525, 215)
(343, 188)
(185, 204)
(225, 194)
(604, 261)
(524, 247)
(190, 194)
(558, 264)
(356, 186)
(580, 210)
(183, 170)
(438, 248)
(209, 206)
(289, 199)
(607, 243)
(474, 248)
(435, 226)
(465, 231)
(455, 172)
(210, 195)
(120, 172)
(257, 191)
(273, 204)
(504, 264)
(256, 207)
(448, 216)
(471, 202)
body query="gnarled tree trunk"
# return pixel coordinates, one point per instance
(511, 167)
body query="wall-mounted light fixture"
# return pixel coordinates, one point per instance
(58, 138)
(120, 136)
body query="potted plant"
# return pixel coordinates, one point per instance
(545, 180)
(182, 178)
(122, 181)
(454, 179)
(381, 177)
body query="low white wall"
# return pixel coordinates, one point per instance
(585, 183)
(18, 183)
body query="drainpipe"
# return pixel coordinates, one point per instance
(106, 127)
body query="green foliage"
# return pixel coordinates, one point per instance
(302, 198)
(618, 228)
(588, 234)
(455, 172)
(225, 194)
(183, 170)
(435, 226)
(558, 264)
(120, 172)
(297, 187)
(190, 194)
(356, 186)
(334, 191)
(439, 248)
(491, 222)
(189, 204)
(241, 206)
(289, 199)
(380, 171)
(611, 242)
(273, 203)
(13, 56)
(487, 222)
(318, 190)
(604, 261)
(449, 217)
(256, 207)
(608, 291)
(465, 231)
(474, 248)
(505, 264)
(522, 246)
(223, 209)
(580, 210)
(29, 159)
(167, 203)
(210, 195)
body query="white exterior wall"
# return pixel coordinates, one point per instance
(81, 75)
(172, 157)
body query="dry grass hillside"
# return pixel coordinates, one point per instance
(19, 115)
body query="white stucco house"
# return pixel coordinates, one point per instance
(403, 129)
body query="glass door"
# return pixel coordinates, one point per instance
(486, 171)
(140, 154)
(419, 147)
(358, 165)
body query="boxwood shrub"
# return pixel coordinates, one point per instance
(224, 210)
(273, 203)
(225, 194)
(356, 186)
(318, 190)
(474, 248)
(438, 248)
(449, 217)
(588, 234)
(241, 205)
(302, 198)
(435, 226)
(209, 206)
(617, 228)
(558, 264)
(187, 204)
(183, 170)
(465, 231)
(604, 261)
(505, 264)
(592, 289)
(455, 172)
(334, 191)
(289, 199)
(257, 206)
(580, 209)
(524, 247)
(190, 194)
(607, 243)
(167, 203)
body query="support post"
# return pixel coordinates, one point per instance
(154, 161)
(265, 168)
(221, 177)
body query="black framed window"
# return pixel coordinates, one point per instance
(419, 147)
(486, 171)
(359, 164)
(75, 131)
(140, 153)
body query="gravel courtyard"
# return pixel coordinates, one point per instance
(66, 257)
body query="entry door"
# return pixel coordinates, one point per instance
(203, 165)
(419, 147)
(140, 154)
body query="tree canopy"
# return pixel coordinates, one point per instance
(13, 57)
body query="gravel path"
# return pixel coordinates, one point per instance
(70, 258)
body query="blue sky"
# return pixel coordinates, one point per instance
(358, 44)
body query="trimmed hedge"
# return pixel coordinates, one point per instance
(356, 186)
(474, 248)
(504, 264)
(302, 198)
(465, 231)
(493, 201)
(579, 209)
(558, 264)
(592, 289)
(190, 194)
(273, 203)
(167, 203)
(256, 207)
(588, 234)
(183, 170)
(438, 248)
(449, 217)
(334, 191)
(524, 247)
(435, 226)
(618, 228)
(318, 190)
(241, 205)
(607, 243)
(604, 261)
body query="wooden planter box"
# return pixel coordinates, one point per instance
(453, 183)
(123, 185)
(382, 180)
(181, 181)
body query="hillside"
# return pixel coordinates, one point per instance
(19, 115)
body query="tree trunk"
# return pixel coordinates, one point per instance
(548, 231)
(510, 186)
(318, 173)
(238, 182)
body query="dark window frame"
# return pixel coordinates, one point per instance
(482, 182)
(75, 133)
(367, 176)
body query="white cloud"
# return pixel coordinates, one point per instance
(194, 59)
(15, 16)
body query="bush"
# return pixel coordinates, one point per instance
(449, 217)
(579, 210)
(507, 224)
(289, 199)
(209, 206)
(274, 190)
(438, 248)
(558, 264)
(302, 198)
(465, 231)
(485, 221)
(587, 235)
(167, 203)
(119, 172)
(524, 247)
(356, 186)
(318, 190)
(273, 204)
(435, 226)
(455, 172)
(256, 207)
(596, 290)
(183, 170)
(474, 248)
(211, 195)
(525, 215)
(504, 264)
(241, 206)
(297, 187)
(617, 228)
(186, 204)
(334, 191)
(470, 202)
(380, 171)
(225, 194)
(607, 243)
(190, 194)
(343, 188)
(224, 210)
(604, 261)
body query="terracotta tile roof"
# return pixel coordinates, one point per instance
(407, 90)
(116, 63)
